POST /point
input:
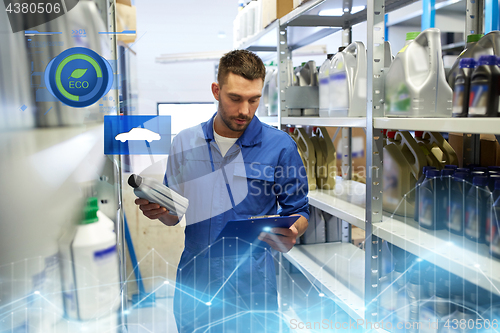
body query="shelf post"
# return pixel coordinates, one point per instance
(491, 16)
(428, 14)
(374, 148)
(283, 74)
(474, 17)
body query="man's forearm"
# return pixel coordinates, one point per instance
(301, 224)
(169, 220)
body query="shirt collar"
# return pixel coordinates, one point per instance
(251, 136)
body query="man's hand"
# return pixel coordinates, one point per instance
(280, 239)
(154, 211)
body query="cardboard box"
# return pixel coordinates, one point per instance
(456, 141)
(275, 9)
(358, 151)
(358, 237)
(490, 148)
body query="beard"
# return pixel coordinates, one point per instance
(230, 121)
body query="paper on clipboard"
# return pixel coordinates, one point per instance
(240, 237)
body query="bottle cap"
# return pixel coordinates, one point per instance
(451, 166)
(480, 181)
(459, 176)
(384, 132)
(427, 167)
(432, 173)
(447, 172)
(494, 167)
(480, 169)
(412, 35)
(466, 170)
(89, 215)
(391, 134)
(93, 202)
(467, 63)
(419, 134)
(474, 38)
(472, 166)
(487, 60)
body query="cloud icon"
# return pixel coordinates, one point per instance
(138, 134)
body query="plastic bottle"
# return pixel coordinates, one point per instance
(105, 221)
(494, 168)
(417, 189)
(443, 151)
(495, 230)
(492, 180)
(429, 200)
(490, 217)
(326, 159)
(324, 86)
(475, 212)
(468, 52)
(426, 147)
(308, 76)
(445, 197)
(307, 153)
(433, 311)
(403, 162)
(348, 82)
(455, 220)
(93, 269)
(415, 84)
(461, 91)
(485, 88)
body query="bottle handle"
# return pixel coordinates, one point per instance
(420, 159)
(305, 142)
(322, 132)
(425, 39)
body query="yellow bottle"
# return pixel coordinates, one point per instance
(426, 148)
(308, 155)
(441, 148)
(326, 159)
(403, 162)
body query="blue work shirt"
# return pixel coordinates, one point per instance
(261, 174)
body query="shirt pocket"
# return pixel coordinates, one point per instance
(259, 181)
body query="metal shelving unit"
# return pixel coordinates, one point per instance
(359, 204)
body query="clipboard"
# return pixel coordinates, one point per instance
(240, 237)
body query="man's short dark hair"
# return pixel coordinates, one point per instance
(243, 63)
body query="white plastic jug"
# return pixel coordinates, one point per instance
(309, 77)
(415, 84)
(324, 86)
(348, 82)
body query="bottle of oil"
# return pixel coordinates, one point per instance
(485, 88)
(429, 199)
(462, 87)
(456, 211)
(475, 213)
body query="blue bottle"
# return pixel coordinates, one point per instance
(491, 217)
(417, 189)
(495, 230)
(476, 209)
(429, 201)
(492, 179)
(445, 197)
(456, 212)
(494, 168)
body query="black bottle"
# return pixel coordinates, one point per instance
(476, 209)
(484, 88)
(461, 91)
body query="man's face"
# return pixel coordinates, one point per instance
(238, 100)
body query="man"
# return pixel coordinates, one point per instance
(232, 167)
